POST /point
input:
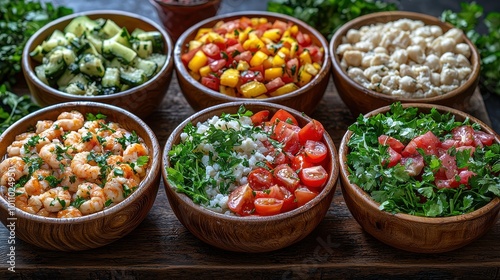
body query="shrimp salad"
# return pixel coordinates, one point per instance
(74, 166)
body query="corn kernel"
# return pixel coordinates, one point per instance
(258, 58)
(230, 78)
(253, 89)
(284, 89)
(199, 60)
(271, 73)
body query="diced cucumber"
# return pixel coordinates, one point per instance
(111, 77)
(55, 65)
(116, 63)
(125, 54)
(149, 67)
(79, 24)
(91, 65)
(68, 55)
(132, 76)
(56, 39)
(109, 29)
(40, 73)
(159, 59)
(155, 37)
(94, 40)
(63, 81)
(123, 37)
(79, 78)
(143, 48)
(90, 49)
(76, 88)
(136, 32)
(37, 53)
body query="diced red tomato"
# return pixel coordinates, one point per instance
(289, 202)
(394, 143)
(211, 50)
(304, 195)
(231, 42)
(244, 56)
(274, 84)
(285, 176)
(485, 138)
(247, 76)
(311, 131)
(280, 158)
(465, 175)
(315, 151)
(313, 177)
(280, 25)
(394, 157)
(240, 201)
(288, 135)
(448, 166)
(185, 58)
(447, 183)
(464, 135)
(234, 50)
(211, 82)
(300, 161)
(260, 179)
(292, 68)
(284, 116)
(268, 206)
(260, 117)
(428, 142)
(217, 65)
(414, 164)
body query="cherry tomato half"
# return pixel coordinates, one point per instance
(268, 206)
(304, 195)
(284, 116)
(313, 177)
(312, 131)
(241, 200)
(315, 151)
(285, 176)
(260, 179)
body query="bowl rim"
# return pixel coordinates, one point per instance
(330, 185)
(179, 66)
(374, 206)
(146, 183)
(392, 16)
(30, 73)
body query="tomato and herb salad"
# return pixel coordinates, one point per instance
(424, 164)
(250, 164)
(253, 57)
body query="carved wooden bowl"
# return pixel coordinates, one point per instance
(141, 100)
(249, 233)
(200, 97)
(94, 230)
(409, 232)
(360, 99)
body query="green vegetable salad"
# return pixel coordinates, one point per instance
(424, 164)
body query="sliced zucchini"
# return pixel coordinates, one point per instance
(109, 29)
(143, 48)
(132, 76)
(111, 47)
(91, 65)
(79, 24)
(111, 77)
(149, 67)
(155, 37)
(159, 59)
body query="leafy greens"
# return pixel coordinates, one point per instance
(13, 107)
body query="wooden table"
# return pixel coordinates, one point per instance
(338, 248)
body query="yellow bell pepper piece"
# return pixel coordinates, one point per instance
(268, 63)
(253, 89)
(294, 30)
(258, 58)
(279, 59)
(227, 90)
(204, 71)
(243, 35)
(286, 34)
(293, 49)
(305, 58)
(317, 65)
(201, 32)
(304, 77)
(230, 78)
(285, 51)
(193, 44)
(199, 60)
(271, 73)
(273, 34)
(262, 20)
(309, 68)
(284, 89)
(253, 43)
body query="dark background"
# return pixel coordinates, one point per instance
(431, 7)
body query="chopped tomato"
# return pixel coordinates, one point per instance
(280, 158)
(247, 76)
(413, 165)
(185, 58)
(464, 135)
(217, 65)
(274, 84)
(243, 56)
(289, 201)
(304, 195)
(315, 151)
(465, 176)
(280, 25)
(260, 117)
(211, 50)
(485, 138)
(311, 131)
(313, 177)
(288, 135)
(300, 161)
(303, 39)
(448, 166)
(394, 143)
(292, 68)
(428, 142)
(260, 179)
(394, 157)
(211, 82)
(284, 116)
(234, 50)
(268, 206)
(447, 183)
(285, 176)
(240, 201)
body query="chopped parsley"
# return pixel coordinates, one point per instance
(92, 117)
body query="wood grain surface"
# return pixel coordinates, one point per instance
(161, 247)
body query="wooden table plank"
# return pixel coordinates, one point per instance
(337, 248)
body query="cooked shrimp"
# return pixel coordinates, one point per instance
(91, 126)
(78, 143)
(51, 154)
(31, 205)
(132, 154)
(47, 136)
(70, 121)
(13, 167)
(43, 212)
(43, 125)
(68, 179)
(108, 129)
(37, 184)
(17, 147)
(70, 212)
(56, 199)
(114, 160)
(113, 189)
(83, 168)
(94, 196)
(112, 142)
(121, 181)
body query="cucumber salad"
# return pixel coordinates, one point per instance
(98, 57)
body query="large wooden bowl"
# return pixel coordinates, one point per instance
(250, 233)
(100, 228)
(200, 97)
(360, 99)
(141, 100)
(414, 233)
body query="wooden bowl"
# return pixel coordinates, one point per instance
(200, 97)
(100, 228)
(249, 233)
(141, 100)
(409, 232)
(360, 99)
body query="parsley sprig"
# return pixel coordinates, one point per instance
(394, 189)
